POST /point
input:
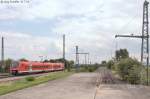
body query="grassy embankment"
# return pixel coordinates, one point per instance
(28, 82)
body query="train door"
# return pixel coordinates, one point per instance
(30, 67)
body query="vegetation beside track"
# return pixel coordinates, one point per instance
(144, 76)
(29, 82)
(88, 68)
(129, 69)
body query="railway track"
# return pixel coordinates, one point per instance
(104, 76)
(4, 75)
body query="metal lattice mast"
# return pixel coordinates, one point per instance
(64, 47)
(145, 36)
(145, 39)
(77, 59)
(2, 55)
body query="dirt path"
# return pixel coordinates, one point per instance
(83, 86)
(122, 91)
(77, 86)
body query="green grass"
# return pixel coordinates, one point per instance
(23, 83)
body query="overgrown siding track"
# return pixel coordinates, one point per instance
(109, 87)
(104, 76)
(4, 75)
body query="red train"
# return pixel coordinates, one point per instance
(23, 67)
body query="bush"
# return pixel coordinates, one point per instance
(88, 68)
(110, 64)
(129, 69)
(30, 78)
(91, 69)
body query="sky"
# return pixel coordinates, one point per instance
(34, 28)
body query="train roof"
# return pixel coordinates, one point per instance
(37, 62)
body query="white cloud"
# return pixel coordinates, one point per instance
(20, 45)
(91, 24)
(48, 8)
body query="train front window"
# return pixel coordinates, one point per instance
(15, 64)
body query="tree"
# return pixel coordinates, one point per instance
(103, 62)
(8, 64)
(129, 69)
(69, 64)
(121, 54)
(110, 64)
